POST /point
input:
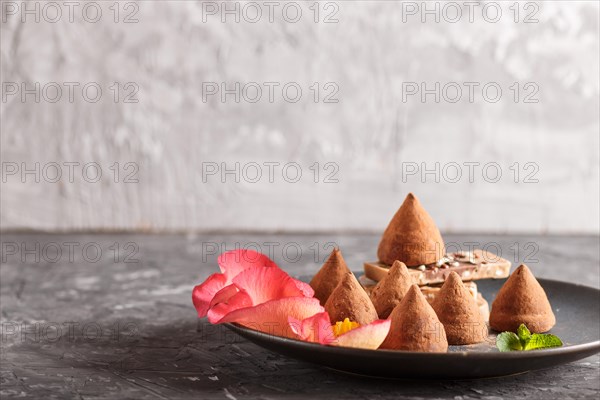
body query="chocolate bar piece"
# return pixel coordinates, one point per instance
(470, 266)
(430, 292)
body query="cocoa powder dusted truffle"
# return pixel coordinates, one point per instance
(457, 309)
(411, 236)
(349, 300)
(522, 300)
(329, 276)
(415, 327)
(389, 291)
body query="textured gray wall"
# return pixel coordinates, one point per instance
(372, 138)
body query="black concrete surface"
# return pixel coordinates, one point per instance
(109, 316)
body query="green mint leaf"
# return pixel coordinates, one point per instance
(523, 334)
(542, 341)
(508, 341)
(524, 340)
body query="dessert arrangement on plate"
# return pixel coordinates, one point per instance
(416, 297)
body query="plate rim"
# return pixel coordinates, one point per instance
(449, 354)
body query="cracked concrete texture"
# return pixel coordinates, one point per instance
(77, 327)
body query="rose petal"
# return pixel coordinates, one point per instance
(272, 317)
(239, 300)
(235, 261)
(315, 329)
(231, 264)
(255, 286)
(223, 295)
(366, 336)
(203, 294)
(304, 288)
(263, 284)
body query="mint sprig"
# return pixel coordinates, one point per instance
(508, 341)
(525, 340)
(524, 334)
(542, 341)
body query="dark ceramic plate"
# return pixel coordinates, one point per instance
(577, 310)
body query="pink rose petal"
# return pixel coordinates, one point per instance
(305, 288)
(315, 329)
(253, 286)
(203, 294)
(235, 261)
(366, 336)
(237, 301)
(223, 295)
(231, 264)
(272, 317)
(263, 284)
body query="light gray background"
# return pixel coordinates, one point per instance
(371, 134)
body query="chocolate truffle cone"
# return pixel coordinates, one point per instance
(389, 291)
(349, 300)
(457, 309)
(521, 300)
(329, 276)
(411, 237)
(415, 327)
